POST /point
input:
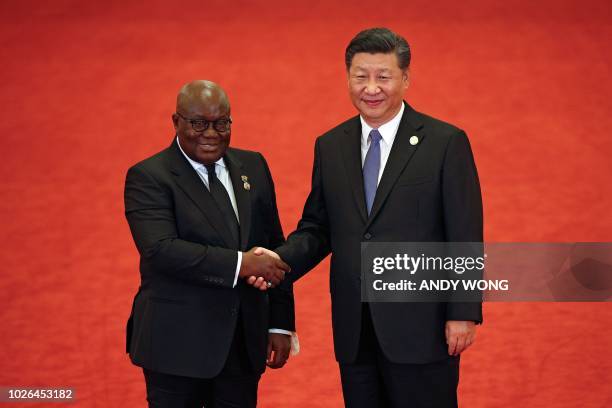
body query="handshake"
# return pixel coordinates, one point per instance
(262, 268)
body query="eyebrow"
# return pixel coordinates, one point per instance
(376, 69)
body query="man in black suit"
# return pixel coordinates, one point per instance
(391, 174)
(200, 332)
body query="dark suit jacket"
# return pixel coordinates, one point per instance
(185, 312)
(428, 193)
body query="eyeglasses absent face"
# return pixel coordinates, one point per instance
(377, 86)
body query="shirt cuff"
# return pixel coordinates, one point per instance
(280, 331)
(238, 265)
(295, 341)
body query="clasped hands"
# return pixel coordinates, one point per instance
(262, 268)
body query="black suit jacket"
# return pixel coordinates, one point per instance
(429, 192)
(185, 312)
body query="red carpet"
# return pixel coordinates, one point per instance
(89, 87)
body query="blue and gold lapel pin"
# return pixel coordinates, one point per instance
(246, 184)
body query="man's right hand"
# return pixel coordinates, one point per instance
(268, 268)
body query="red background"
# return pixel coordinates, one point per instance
(88, 89)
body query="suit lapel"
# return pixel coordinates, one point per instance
(351, 152)
(400, 155)
(243, 196)
(189, 181)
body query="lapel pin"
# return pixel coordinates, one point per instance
(414, 140)
(246, 184)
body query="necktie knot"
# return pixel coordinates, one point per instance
(210, 169)
(375, 136)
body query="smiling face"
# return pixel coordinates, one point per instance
(202, 100)
(376, 86)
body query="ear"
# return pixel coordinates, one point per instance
(406, 79)
(175, 119)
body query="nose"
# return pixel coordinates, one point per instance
(372, 87)
(210, 132)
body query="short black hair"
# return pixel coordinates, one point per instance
(379, 40)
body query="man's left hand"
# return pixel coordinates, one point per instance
(459, 336)
(279, 346)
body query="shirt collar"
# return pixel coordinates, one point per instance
(197, 166)
(387, 130)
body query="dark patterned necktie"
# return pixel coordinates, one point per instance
(222, 199)
(371, 168)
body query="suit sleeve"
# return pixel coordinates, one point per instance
(282, 305)
(149, 210)
(462, 205)
(310, 242)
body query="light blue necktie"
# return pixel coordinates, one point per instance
(371, 168)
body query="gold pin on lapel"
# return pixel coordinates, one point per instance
(414, 140)
(246, 184)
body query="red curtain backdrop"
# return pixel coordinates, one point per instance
(88, 89)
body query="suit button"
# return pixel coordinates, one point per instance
(234, 311)
(367, 235)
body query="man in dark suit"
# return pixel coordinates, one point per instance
(391, 174)
(200, 332)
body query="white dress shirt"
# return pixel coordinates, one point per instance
(388, 131)
(223, 176)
